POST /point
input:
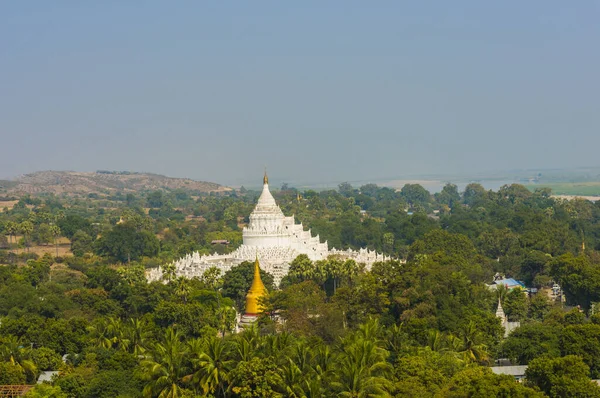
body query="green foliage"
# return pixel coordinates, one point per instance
(584, 341)
(562, 377)
(255, 378)
(421, 327)
(124, 243)
(46, 358)
(11, 374)
(81, 243)
(515, 304)
(70, 224)
(579, 278)
(481, 382)
(531, 341)
(46, 391)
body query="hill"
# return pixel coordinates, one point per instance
(101, 182)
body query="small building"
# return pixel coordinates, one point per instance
(46, 376)
(516, 371)
(219, 242)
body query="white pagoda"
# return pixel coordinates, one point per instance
(274, 239)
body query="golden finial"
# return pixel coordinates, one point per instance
(265, 178)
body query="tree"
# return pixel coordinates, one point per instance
(388, 242)
(72, 223)
(81, 243)
(255, 378)
(579, 279)
(301, 305)
(43, 234)
(124, 243)
(301, 269)
(474, 195)
(11, 374)
(470, 344)
(55, 230)
(480, 382)
(448, 196)
(362, 370)
(212, 278)
(584, 341)
(166, 368)
(46, 358)
(531, 341)
(26, 228)
(155, 199)
(415, 194)
(211, 366)
(515, 304)
(346, 189)
(182, 288)
(12, 228)
(561, 377)
(14, 352)
(46, 391)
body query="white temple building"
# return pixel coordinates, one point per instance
(272, 237)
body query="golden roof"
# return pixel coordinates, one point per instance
(257, 290)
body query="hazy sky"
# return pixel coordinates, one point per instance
(316, 91)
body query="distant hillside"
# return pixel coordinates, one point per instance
(101, 182)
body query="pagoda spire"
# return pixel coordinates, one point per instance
(500, 312)
(257, 290)
(265, 178)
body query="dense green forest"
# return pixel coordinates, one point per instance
(421, 325)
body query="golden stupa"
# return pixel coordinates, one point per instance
(257, 290)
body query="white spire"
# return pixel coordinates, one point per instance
(500, 312)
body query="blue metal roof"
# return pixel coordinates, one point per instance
(509, 282)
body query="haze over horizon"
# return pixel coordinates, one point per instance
(315, 91)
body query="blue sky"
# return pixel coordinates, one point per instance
(316, 91)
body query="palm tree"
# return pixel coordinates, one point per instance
(12, 350)
(302, 355)
(396, 338)
(501, 292)
(246, 343)
(166, 368)
(26, 228)
(469, 344)
(324, 363)
(168, 272)
(335, 270)
(55, 230)
(104, 332)
(372, 331)
(182, 288)
(277, 345)
(11, 228)
(351, 269)
(135, 335)
(292, 380)
(302, 268)
(436, 340)
(211, 366)
(362, 371)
